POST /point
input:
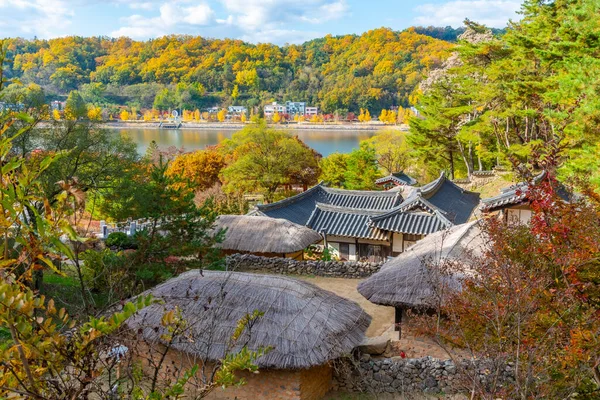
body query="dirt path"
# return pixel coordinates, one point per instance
(383, 317)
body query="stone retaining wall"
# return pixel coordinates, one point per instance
(422, 375)
(286, 266)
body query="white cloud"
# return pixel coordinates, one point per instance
(493, 13)
(43, 18)
(173, 15)
(268, 20)
(146, 6)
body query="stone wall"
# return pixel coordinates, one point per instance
(422, 375)
(286, 266)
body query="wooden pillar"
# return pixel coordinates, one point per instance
(398, 321)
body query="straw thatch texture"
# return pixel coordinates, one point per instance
(413, 278)
(305, 325)
(264, 234)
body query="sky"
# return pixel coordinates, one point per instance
(272, 21)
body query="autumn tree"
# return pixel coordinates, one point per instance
(530, 301)
(200, 169)
(222, 115)
(263, 160)
(391, 149)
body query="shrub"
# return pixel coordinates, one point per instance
(120, 240)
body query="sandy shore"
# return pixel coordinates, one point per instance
(239, 125)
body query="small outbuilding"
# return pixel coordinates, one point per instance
(304, 326)
(412, 280)
(264, 236)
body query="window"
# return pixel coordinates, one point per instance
(344, 251)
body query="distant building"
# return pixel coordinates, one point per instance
(213, 110)
(295, 108)
(58, 105)
(275, 107)
(310, 111)
(291, 108)
(237, 110)
(11, 107)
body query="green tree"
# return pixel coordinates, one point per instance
(333, 169)
(264, 159)
(362, 170)
(75, 107)
(392, 150)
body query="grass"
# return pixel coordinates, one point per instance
(65, 291)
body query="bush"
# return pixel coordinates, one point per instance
(120, 240)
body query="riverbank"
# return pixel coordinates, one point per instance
(375, 126)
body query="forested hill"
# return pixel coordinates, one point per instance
(375, 70)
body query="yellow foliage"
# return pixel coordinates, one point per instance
(221, 115)
(148, 116)
(364, 116)
(197, 115)
(56, 114)
(276, 118)
(94, 113)
(200, 168)
(316, 119)
(243, 117)
(124, 115)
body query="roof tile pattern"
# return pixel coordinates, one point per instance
(347, 222)
(299, 208)
(414, 223)
(399, 178)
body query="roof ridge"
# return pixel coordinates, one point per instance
(290, 200)
(359, 192)
(346, 210)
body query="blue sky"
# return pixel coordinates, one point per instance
(274, 21)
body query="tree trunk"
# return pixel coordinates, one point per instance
(451, 157)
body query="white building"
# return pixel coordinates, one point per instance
(310, 111)
(275, 107)
(237, 110)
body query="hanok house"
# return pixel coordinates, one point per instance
(304, 326)
(264, 236)
(513, 203)
(396, 179)
(416, 278)
(375, 225)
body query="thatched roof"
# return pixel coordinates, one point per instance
(409, 279)
(305, 325)
(256, 234)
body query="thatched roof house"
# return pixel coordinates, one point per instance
(409, 280)
(305, 326)
(265, 236)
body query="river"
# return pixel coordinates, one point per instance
(323, 141)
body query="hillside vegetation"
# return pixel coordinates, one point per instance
(375, 70)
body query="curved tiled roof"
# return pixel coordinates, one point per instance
(341, 221)
(514, 195)
(444, 204)
(399, 178)
(414, 223)
(299, 208)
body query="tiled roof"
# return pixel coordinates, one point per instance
(437, 205)
(372, 215)
(299, 208)
(515, 194)
(400, 178)
(414, 223)
(341, 221)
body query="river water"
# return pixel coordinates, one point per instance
(323, 141)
